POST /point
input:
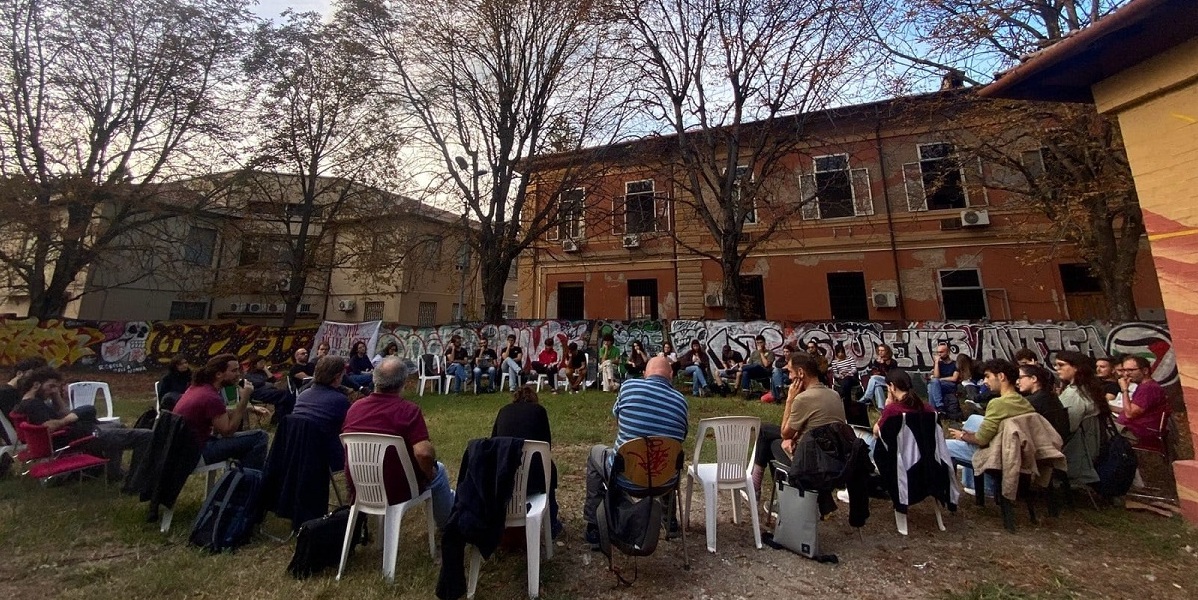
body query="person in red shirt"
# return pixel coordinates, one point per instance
(546, 364)
(1142, 409)
(385, 411)
(213, 426)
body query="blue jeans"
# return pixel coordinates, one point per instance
(964, 451)
(698, 381)
(478, 376)
(360, 380)
(246, 447)
(513, 370)
(877, 389)
(442, 496)
(938, 389)
(778, 380)
(457, 371)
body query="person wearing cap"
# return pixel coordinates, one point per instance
(644, 407)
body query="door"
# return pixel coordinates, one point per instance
(846, 295)
(569, 301)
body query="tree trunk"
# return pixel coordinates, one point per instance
(493, 274)
(730, 263)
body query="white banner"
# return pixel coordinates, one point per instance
(341, 337)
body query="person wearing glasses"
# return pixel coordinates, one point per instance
(1083, 399)
(1143, 406)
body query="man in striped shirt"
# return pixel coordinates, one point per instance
(644, 407)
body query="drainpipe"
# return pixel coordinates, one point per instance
(902, 298)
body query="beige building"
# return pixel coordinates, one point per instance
(372, 255)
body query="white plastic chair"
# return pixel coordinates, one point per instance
(83, 393)
(364, 454)
(210, 472)
(14, 447)
(529, 512)
(542, 379)
(731, 471)
(438, 376)
(157, 397)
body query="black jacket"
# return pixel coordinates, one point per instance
(173, 455)
(485, 483)
(295, 484)
(926, 474)
(830, 457)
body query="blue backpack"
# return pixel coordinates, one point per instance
(230, 512)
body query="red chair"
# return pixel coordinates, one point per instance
(48, 462)
(1162, 443)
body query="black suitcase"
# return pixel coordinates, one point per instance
(318, 543)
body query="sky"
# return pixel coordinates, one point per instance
(273, 8)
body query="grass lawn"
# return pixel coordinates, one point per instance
(87, 541)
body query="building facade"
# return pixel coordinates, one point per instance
(895, 225)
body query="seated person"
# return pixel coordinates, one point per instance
(733, 361)
(1036, 384)
(900, 398)
(644, 407)
(10, 395)
(512, 361)
(758, 366)
(875, 389)
(944, 378)
(391, 349)
(456, 359)
(978, 430)
(609, 361)
(1080, 445)
(637, 359)
(211, 424)
(484, 361)
(694, 363)
(324, 404)
(44, 402)
(547, 364)
(844, 373)
(526, 419)
(263, 380)
(175, 382)
(387, 412)
(576, 367)
(301, 372)
(667, 350)
(779, 378)
(359, 377)
(1142, 409)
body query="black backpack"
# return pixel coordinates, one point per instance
(318, 543)
(1116, 464)
(230, 512)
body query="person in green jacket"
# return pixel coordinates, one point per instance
(979, 430)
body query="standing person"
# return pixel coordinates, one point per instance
(644, 407)
(547, 364)
(943, 379)
(525, 418)
(758, 365)
(978, 430)
(576, 368)
(667, 351)
(637, 359)
(484, 361)
(456, 363)
(882, 363)
(609, 358)
(512, 357)
(213, 426)
(694, 363)
(387, 412)
(844, 374)
(1142, 409)
(360, 367)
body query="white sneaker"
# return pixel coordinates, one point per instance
(843, 496)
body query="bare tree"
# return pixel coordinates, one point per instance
(101, 101)
(328, 131)
(487, 85)
(730, 81)
(1071, 167)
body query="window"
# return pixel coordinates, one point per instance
(457, 314)
(639, 211)
(509, 311)
(426, 314)
(642, 299)
(199, 246)
(570, 215)
(751, 214)
(752, 297)
(940, 172)
(251, 252)
(372, 311)
(834, 191)
(846, 294)
(1083, 293)
(463, 258)
(188, 311)
(963, 296)
(570, 301)
(273, 249)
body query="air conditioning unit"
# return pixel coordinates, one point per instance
(713, 300)
(569, 245)
(631, 240)
(238, 307)
(345, 305)
(305, 307)
(274, 308)
(885, 299)
(283, 284)
(256, 307)
(975, 218)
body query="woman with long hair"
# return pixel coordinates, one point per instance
(525, 418)
(900, 398)
(1084, 400)
(1035, 383)
(360, 368)
(174, 383)
(637, 359)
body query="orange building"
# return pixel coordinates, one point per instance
(874, 244)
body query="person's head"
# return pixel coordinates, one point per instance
(219, 371)
(391, 349)
(1067, 364)
(1077, 369)
(358, 349)
(573, 347)
(511, 339)
(803, 367)
(1105, 368)
(322, 350)
(667, 347)
(838, 352)
(329, 371)
(813, 347)
(1136, 368)
(883, 351)
(483, 343)
(549, 344)
(179, 364)
(696, 347)
(525, 393)
(1033, 378)
(659, 366)
(898, 382)
(1000, 374)
(788, 349)
(726, 352)
(943, 352)
(1026, 356)
(608, 340)
(26, 366)
(301, 356)
(759, 342)
(390, 375)
(260, 363)
(637, 347)
(43, 382)
(965, 366)
(455, 339)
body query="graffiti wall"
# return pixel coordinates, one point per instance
(131, 346)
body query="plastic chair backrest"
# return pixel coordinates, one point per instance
(364, 454)
(10, 431)
(428, 365)
(517, 507)
(83, 393)
(37, 440)
(732, 435)
(649, 462)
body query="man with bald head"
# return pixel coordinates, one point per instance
(644, 407)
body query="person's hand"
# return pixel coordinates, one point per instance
(788, 445)
(244, 389)
(1124, 383)
(956, 434)
(796, 387)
